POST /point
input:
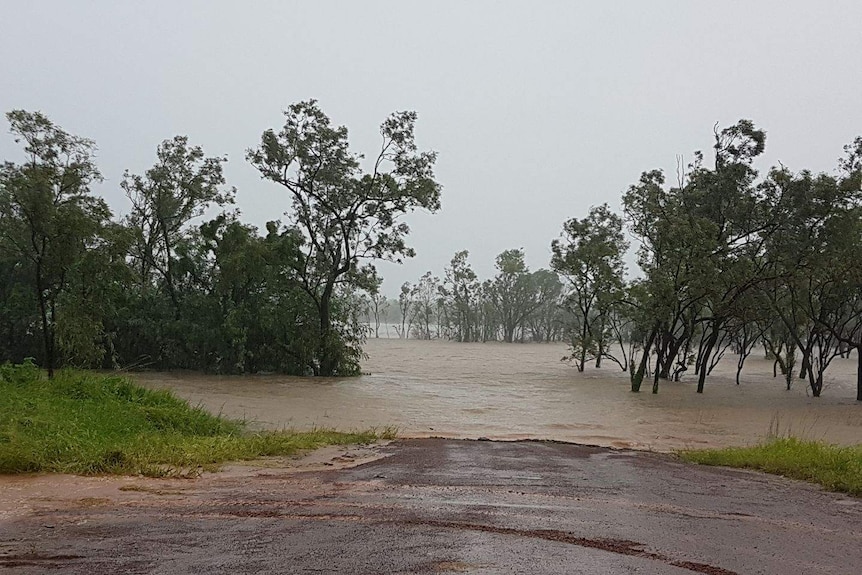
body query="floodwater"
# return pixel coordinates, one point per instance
(520, 391)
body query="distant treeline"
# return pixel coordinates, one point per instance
(728, 260)
(515, 306)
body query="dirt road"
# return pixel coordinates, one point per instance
(438, 506)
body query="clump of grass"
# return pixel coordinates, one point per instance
(87, 423)
(835, 468)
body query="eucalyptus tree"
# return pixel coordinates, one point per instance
(460, 289)
(848, 328)
(488, 319)
(734, 222)
(348, 216)
(181, 186)
(589, 255)
(512, 293)
(545, 321)
(405, 307)
(831, 292)
(378, 306)
(424, 296)
(701, 248)
(638, 307)
(811, 256)
(245, 314)
(48, 216)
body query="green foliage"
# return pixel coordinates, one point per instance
(49, 221)
(347, 217)
(165, 288)
(177, 189)
(730, 260)
(81, 422)
(460, 289)
(589, 255)
(835, 468)
(512, 293)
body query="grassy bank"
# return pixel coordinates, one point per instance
(835, 468)
(87, 423)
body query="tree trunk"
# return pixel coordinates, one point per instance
(656, 377)
(638, 376)
(817, 389)
(169, 274)
(815, 383)
(806, 358)
(859, 372)
(713, 337)
(582, 360)
(328, 359)
(47, 328)
(672, 352)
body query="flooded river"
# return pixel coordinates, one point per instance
(519, 391)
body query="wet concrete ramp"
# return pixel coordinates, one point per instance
(451, 506)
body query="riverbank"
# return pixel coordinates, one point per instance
(88, 423)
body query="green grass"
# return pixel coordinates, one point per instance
(87, 423)
(835, 468)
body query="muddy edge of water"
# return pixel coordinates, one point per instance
(521, 391)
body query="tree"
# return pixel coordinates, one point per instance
(378, 306)
(348, 216)
(461, 291)
(730, 212)
(48, 218)
(544, 321)
(701, 243)
(512, 293)
(811, 259)
(425, 296)
(177, 189)
(589, 255)
(826, 243)
(406, 303)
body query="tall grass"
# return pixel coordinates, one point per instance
(835, 468)
(87, 423)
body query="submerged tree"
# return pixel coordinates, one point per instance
(589, 256)
(700, 247)
(511, 293)
(544, 322)
(424, 296)
(460, 290)
(347, 215)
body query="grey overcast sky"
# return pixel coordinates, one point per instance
(537, 109)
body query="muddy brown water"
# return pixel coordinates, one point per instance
(520, 391)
